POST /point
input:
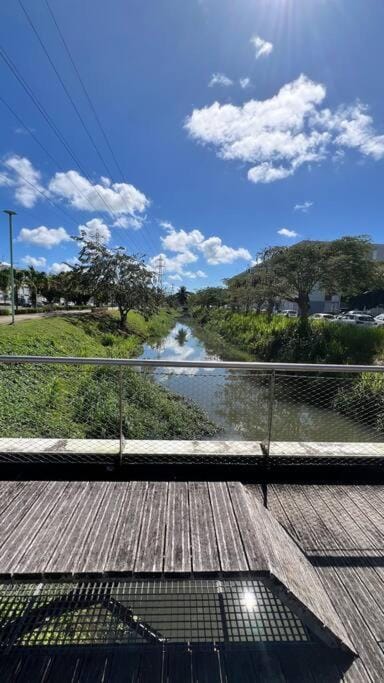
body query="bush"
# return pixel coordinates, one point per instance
(5, 311)
(293, 340)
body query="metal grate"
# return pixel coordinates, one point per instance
(142, 612)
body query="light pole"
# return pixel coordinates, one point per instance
(10, 216)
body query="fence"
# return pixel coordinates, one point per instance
(107, 409)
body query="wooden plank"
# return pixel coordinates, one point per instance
(123, 550)
(178, 543)
(77, 530)
(23, 535)
(18, 509)
(331, 578)
(231, 552)
(96, 548)
(39, 551)
(205, 557)
(250, 528)
(150, 551)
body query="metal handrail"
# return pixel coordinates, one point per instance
(212, 364)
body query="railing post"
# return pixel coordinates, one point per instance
(121, 435)
(270, 411)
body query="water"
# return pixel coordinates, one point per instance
(237, 401)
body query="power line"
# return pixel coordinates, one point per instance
(85, 90)
(8, 61)
(93, 109)
(68, 94)
(41, 145)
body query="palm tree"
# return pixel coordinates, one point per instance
(35, 281)
(182, 296)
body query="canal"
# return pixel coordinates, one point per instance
(237, 401)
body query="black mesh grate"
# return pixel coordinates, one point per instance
(142, 612)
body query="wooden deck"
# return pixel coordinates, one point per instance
(58, 528)
(341, 530)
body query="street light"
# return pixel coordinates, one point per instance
(10, 216)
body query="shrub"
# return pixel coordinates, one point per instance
(292, 340)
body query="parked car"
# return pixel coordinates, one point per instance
(322, 316)
(288, 314)
(356, 319)
(379, 319)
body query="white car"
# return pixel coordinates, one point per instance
(379, 319)
(356, 319)
(322, 316)
(288, 314)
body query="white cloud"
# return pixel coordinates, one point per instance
(287, 233)
(262, 47)
(20, 174)
(277, 136)
(180, 240)
(118, 199)
(189, 246)
(176, 277)
(267, 173)
(195, 274)
(43, 236)
(35, 261)
(304, 207)
(220, 79)
(95, 230)
(215, 252)
(57, 268)
(133, 222)
(174, 264)
(244, 82)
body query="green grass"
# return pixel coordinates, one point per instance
(64, 401)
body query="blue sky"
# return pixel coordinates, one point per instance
(235, 125)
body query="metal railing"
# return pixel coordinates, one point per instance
(101, 406)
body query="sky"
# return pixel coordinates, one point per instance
(201, 131)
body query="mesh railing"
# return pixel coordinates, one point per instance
(114, 410)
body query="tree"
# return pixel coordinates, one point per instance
(182, 296)
(344, 266)
(35, 280)
(211, 297)
(113, 276)
(4, 281)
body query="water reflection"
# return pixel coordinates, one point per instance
(237, 401)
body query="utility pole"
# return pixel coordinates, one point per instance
(10, 217)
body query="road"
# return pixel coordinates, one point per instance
(7, 319)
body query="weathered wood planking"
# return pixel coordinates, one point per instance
(355, 590)
(231, 552)
(150, 551)
(178, 542)
(122, 553)
(205, 556)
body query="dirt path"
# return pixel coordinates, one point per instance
(7, 319)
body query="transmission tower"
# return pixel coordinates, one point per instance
(159, 270)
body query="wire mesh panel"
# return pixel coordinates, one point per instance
(46, 405)
(329, 408)
(233, 403)
(141, 612)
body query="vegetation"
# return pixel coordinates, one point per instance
(288, 340)
(345, 266)
(114, 277)
(69, 401)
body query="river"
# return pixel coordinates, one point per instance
(238, 401)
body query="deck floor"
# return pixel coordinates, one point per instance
(95, 527)
(341, 530)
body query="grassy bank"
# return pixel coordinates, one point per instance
(288, 340)
(83, 402)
